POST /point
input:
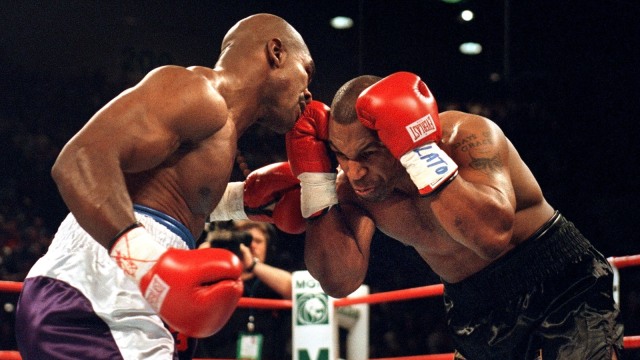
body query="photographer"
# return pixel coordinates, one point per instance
(268, 331)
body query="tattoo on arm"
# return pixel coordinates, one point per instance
(480, 150)
(486, 165)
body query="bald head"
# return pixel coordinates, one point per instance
(343, 107)
(254, 31)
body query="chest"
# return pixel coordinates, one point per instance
(205, 172)
(196, 175)
(411, 222)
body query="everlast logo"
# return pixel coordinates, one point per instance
(421, 128)
(156, 292)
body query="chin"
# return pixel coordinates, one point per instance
(286, 123)
(377, 196)
(278, 125)
(282, 129)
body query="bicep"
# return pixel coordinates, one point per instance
(482, 154)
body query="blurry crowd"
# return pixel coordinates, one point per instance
(38, 113)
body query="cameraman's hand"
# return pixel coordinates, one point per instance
(277, 279)
(247, 256)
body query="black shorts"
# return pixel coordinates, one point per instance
(550, 298)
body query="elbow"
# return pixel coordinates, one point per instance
(334, 286)
(338, 290)
(338, 274)
(57, 172)
(287, 292)
(64, 164)
(496, 237)
(497, 245)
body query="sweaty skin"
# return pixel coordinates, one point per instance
(493, 204)
(169, 142)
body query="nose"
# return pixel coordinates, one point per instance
(354, 170)
(307, 96)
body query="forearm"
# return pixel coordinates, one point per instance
(277, 279)
(337, 250)
(477, 216)
(96, 195)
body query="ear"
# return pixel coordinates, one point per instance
(275, 52)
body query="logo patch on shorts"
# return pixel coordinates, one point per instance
(421, 128)
(156, 292)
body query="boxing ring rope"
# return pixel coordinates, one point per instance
(256, 303)
(625, 261)
(630, 342)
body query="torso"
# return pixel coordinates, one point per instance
(188, 185)
(402, 217)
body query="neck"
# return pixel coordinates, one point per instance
(241, 94)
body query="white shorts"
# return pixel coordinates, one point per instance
(77, 303)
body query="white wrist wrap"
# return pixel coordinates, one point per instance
(136, 252)
(231, 205)
(429, 167)
(317, 192)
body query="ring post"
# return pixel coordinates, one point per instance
(355, 318)
(314, 333)
(616, 281)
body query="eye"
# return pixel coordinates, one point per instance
(367, 155)
(340, 156)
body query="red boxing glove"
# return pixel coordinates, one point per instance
(272, 194)
(194, 291)
(309, 158)
(402, 110)
(269, 194)
(307, 141)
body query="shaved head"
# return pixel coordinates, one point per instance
(343, 107)
(254, 31)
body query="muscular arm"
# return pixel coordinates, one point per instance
(135, 132)
(477, 208)
(337, 249)
(277, 279)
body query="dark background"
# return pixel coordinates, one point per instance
(564, 89)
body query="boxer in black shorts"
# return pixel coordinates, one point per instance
(524, 304)
(520, 280)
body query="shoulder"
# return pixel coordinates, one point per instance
(456, 120)
(184, 96)
(178, 80)
(168, 74)
(474, 142)
(459, 126)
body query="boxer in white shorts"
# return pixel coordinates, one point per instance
(80, 274)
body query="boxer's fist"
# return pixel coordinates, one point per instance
(194, 291)
(269, 194)
(401, 109)
(309, 158)
(307, 141)
(272, 194)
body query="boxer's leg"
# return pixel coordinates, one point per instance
(56, 321)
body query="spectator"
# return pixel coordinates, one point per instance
(255, 244)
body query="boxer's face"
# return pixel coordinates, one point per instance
(371, 169)
(287, 92)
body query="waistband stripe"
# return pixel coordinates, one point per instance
(170, 223)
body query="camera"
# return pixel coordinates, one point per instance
(230, 240)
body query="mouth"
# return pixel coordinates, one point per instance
(363, 191)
